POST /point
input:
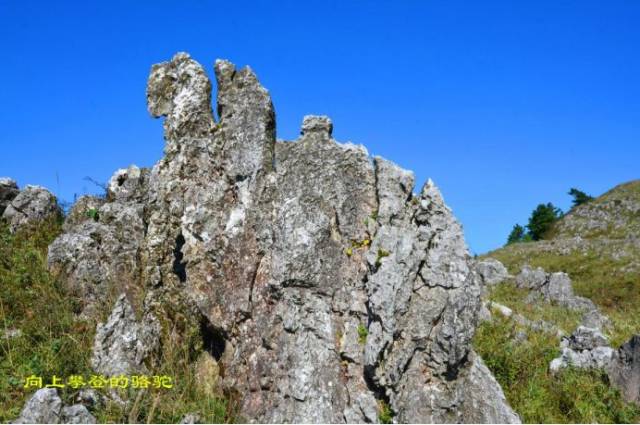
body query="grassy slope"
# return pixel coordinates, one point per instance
(55, 342)
(603, 266)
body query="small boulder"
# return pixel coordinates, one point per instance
(585, 348)
(190, 418)
(77, 414)
(531, 278)
(32, 205)
(491, 271)
(44, 407)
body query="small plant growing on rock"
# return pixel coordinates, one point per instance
(385, 416)
(93, 214)
(363, 332)
(381, 254)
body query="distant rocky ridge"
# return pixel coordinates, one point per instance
(319, 282)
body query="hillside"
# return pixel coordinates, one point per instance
(598, 245)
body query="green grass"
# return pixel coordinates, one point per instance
(522, 369)
(515, 298)
(55, 342)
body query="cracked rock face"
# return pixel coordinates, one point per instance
(31, 205)
(325, 287)
(123, 343)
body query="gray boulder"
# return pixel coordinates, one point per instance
(486, 403)
(585, 348)
(8, 191)
(624, 369)
(531, 278)
(31, 205)
(44, 406)
(491, 271)
(77, 414)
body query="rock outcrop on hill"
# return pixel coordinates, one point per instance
(28, 206)
(323, 287)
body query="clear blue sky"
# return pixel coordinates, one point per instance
(504, 104)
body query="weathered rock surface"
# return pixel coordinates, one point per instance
(123, 343)
(486, 402)
(8, 191)
(624, 369)
(323, 286)
(98, 255)
(77, 414)
(491, 271)
(44, 406)
(585, 348)
(32, 204)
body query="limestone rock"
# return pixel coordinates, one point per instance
(190, 418)
(99, 252)
(323, 286)
(77, 414)
(491, 271)
(531, 278)
(31, 205)
(8, 191)
(585, 348)
(486, 401)
(624, 370)
(123, 343)
(86, 208)
(44, 406)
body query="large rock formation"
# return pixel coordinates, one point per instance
(321, 284)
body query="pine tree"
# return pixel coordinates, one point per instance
(517, 234)
(579, 197)
(541, 220)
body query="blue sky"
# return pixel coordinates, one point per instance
(503, 104)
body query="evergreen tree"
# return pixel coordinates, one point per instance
(516, 235)
(579, 197)
(541, 220)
